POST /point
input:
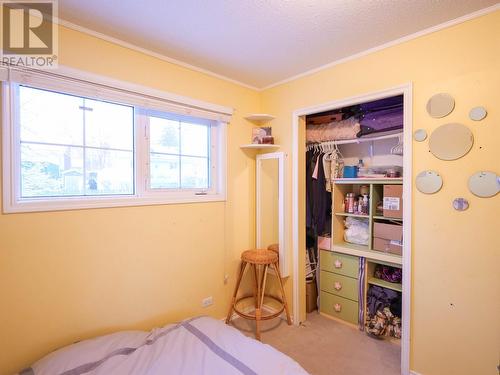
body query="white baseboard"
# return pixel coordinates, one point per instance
(414, 373)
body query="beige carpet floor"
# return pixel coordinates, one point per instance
(325, 347)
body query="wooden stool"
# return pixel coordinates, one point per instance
(260, 260)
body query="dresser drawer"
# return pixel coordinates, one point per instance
(342, 264)
(339, 307)
(339, 285)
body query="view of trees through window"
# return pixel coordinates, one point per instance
(74, 146)
(179, 154)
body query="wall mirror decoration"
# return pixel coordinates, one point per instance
(477, 113)
(451, 141)
(420, 135)
(270, 205)
(460, 204)
(440, 105)
(429, 182)
(484, 184)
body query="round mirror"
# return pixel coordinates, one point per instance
(420, 135)
(451, 141)
(440, 105)
(477, 113)
(484, 184)
(429, 182)
(460, 204)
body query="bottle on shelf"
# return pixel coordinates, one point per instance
(366, 209)
(350, 203)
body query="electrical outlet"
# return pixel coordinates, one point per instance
(207, 301)
(226, 278)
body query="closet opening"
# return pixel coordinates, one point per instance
(352, 224)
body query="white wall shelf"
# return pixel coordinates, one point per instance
(259, 117)
(259, 146)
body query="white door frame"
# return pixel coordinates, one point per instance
(298, 297)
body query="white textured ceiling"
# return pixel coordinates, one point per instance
(260, 42)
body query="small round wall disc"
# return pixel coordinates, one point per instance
(484, 184)
(440, 105)
(429, 182)
(460, 204)
(477, 113)
(420, 135)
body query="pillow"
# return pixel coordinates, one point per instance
(86, 352)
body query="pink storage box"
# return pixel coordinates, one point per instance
(324, 243)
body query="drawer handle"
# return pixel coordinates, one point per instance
(337, 285)
(337, 307)
(338, 264)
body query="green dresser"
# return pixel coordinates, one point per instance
(339, 285)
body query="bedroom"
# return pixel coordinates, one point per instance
(70, 274)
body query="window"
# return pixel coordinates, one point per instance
(74, 146)
(65, 148)
(179, 153)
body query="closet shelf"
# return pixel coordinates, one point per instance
(258, 146)
(361, 140)
(385, 284)
(351, 215)
(386, 181)
(387, 218)
(364, 251)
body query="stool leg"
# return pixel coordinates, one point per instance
(256, 285)
(258, 310)
(233, 300)
(258, 314)
(276, 268)
(263, 286)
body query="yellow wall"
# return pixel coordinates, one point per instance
(70, 275)
(456, 283)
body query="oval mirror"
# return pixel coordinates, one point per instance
(460, 204)
(429, 182)
(484, 184)
(477, 113)
(451, 141)
(440, 105)
(420, 135)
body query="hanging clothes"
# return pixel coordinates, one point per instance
(319, 200)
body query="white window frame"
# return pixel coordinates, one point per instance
(143, 195)
(142, 118)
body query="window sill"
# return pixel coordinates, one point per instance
(65, 204)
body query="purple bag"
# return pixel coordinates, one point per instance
(388, 273)
(381, 115)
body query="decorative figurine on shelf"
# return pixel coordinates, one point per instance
(262, 135)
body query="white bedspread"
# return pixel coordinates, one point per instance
(200, 345)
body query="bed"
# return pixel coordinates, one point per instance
(200, 345)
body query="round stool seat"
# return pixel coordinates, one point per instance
(259, 256)
(274, 247)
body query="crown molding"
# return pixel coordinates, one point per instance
(122, 43)
(395, 42)
(418, 34)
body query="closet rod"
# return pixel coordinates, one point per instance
(357, 140)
